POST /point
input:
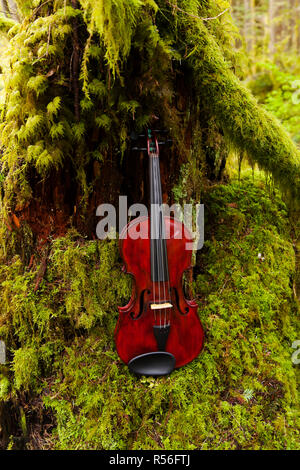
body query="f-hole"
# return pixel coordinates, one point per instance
(186, 310)
(143, 305)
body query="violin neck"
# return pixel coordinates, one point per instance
(155, 181)
(159, 258)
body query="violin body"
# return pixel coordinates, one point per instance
(134, 330)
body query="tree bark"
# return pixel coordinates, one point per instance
(252, 27)
(246, 22)
(13, 9)
(10, 10)
(5, 8)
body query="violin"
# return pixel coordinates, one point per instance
(159, 329)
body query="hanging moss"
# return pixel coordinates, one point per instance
(246, 124)
(77, 98)
(6, 24)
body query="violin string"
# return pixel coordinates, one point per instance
(152, 232)
(159, 243)
(152, 235)
(157, 234)
(160, 237)
(160, 221)
(165, 259)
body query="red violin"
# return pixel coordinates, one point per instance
(159, 329)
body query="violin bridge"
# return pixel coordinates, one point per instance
(159, 306)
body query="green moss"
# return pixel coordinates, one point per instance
(58, 323)
(134, 55)
(248, 126)
(89, 273)
(4, 387)
(25, 368)
(240, 393)
(6, 24)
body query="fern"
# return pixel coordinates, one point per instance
(129, 106)
(86, 104)
(103, 121)
(97, 88)
(38, 84)
(57, 130)
(78, 130)
(34, 151)
(34, 126)
(54, 106)
(43, 162)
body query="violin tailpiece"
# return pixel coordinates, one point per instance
(161, 334)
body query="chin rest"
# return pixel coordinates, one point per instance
(153, 363)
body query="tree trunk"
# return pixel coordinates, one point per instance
(13, 9)
(271, 27)
(5, 8)
(246, 22)
(252, 28)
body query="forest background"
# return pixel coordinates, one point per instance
(65, 65)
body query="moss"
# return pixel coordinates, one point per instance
(58, 302)
(4, 387)
(240, 393)
(25, 368)
(140, 59)
(6, 24)
(236, 111)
